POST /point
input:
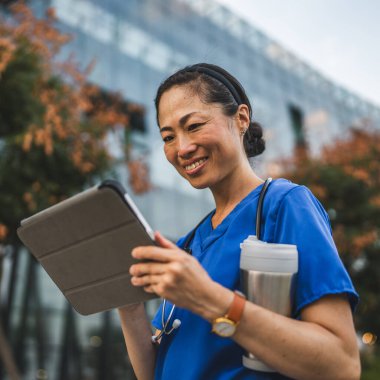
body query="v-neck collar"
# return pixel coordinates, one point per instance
(208, 235)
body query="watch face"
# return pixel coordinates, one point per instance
(224, 327)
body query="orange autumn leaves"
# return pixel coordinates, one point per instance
(72, 110)
(139, 176)
(351, 161)
(357, 155)
(65, 105)
(3, 232)
(7, 47)
(60, 143)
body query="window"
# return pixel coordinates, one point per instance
(297, 123)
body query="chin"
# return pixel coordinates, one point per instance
(196, 181)
(199, 186)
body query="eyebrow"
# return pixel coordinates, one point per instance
(182, 122)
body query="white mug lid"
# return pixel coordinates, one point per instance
(271, 257)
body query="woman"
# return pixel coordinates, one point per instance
(205, 121)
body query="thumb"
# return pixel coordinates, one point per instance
(163, 242)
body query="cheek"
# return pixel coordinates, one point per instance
(170, 154)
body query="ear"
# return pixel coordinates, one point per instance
(242, 117)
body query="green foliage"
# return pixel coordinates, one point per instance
(371, 366)
(19, 105)
(52, 134)
(31, 181)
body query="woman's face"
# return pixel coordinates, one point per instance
(202, 143)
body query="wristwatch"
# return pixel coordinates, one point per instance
(226, 326)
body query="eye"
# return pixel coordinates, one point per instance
(167, 138)
(191, 127)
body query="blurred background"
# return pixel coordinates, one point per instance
(77, 83)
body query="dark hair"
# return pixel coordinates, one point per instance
(215, 85)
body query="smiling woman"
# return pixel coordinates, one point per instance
(205, 126)
(205, 121)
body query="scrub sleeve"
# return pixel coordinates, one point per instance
(301, 220)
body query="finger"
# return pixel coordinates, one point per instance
(147, 280)
(146, 268)
(163, 242)
(149, 289)
(153, 253)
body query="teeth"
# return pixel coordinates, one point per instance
(195, 164)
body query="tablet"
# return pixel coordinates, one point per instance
(84, 243)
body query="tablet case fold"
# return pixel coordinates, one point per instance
(84, 243)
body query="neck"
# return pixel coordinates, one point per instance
(231, 190)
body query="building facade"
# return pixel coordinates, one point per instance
(136, 45)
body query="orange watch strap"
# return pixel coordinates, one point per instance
(236, 309)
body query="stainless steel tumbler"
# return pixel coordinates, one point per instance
(267, 275)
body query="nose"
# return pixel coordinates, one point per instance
(186, 147)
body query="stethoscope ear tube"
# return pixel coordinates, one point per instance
(259, 211)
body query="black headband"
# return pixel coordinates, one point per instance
(219, 77)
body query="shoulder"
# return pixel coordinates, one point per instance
(290, 206)
(295, 207)
(281, 187)
(284, 193)
(281, 192)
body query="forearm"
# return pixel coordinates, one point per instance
(137, 334)
(298, 349)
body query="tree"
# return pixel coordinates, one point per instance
(346, 178)
(53, 128)
(53, 123)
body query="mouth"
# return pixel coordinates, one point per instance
(196, 166)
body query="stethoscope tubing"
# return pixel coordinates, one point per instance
(188, 250)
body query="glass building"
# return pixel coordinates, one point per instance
(136, 45)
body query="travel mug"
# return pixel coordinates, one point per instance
(267, 273)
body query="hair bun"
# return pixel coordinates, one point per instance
(254, 144)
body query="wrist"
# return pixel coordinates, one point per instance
(131, 309)
(217, 303)
(225, 326)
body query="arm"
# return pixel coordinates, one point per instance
(137, 334)
(322, 345)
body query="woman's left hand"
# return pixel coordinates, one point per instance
(173, 274)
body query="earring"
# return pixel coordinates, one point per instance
(242, 132)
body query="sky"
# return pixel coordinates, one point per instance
(339, 38)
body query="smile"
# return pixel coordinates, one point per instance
(195, 164)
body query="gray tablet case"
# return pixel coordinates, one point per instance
(84, 243)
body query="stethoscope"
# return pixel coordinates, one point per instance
(186, 247)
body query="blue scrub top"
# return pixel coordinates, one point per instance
(291, 215)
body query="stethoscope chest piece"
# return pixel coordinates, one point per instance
(165, 324)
